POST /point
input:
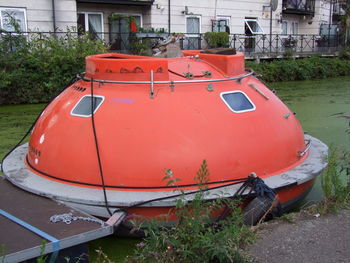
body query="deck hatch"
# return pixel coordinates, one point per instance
(83, 107)
(237, 101)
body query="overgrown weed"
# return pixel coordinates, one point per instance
(43, 257)
(196, 236)
(336, 182)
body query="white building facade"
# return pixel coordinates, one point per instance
(303, 17)
(185, 16)
(38, 15)
(108, 19)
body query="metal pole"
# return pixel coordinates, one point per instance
(54, 16)
(329, 25)
(270, 26)
(169, 16)
(152, 85)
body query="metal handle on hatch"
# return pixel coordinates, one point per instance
(307, 148)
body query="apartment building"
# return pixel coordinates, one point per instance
(109, 19)
(196, 16)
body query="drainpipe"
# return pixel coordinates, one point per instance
(270, 26)
(54, 16)
(329, 25)
(169, 15)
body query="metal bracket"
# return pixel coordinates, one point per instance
(152, 86)
(287, 115)
(307, 148)
(172, 86)
(188, 75)
(207, 74)
(259, 91)
(210, 87)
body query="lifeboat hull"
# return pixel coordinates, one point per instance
(107, 141)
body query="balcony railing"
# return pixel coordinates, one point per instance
(248, 44)
(299, 7)
(122, 2)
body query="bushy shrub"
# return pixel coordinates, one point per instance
(301, 69)
(34, 70)
(345, 54)
(217, 39)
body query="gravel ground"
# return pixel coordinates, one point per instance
(322, 239)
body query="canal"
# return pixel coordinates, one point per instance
(322, 107)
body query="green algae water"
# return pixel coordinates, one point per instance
(322, 107)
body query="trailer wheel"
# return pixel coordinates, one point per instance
(256, 209)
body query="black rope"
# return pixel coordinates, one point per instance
(178, 74)
(71, 81)
(127, 187)
(184, 76)
(97, 148)
(255, 184)
(124, 209)
(260, 188)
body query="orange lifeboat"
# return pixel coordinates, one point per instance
(111, 136)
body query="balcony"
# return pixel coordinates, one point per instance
(258, 45)
(339, 10)
(299, 7)
(119, 2)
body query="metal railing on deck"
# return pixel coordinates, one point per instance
(260, 44)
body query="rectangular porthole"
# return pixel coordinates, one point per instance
(84, 108)
(237, 101)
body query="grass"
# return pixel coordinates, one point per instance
(113, 247)
(14, 123)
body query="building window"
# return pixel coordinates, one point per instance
(13, 19)
(237, 101)
(91, 22)
(124, 24)
(193, 24)
(222, 24)
(193, 29)
(84, 108)
(121, 26)
(294, 28)
(284, 28)
(253, 27)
